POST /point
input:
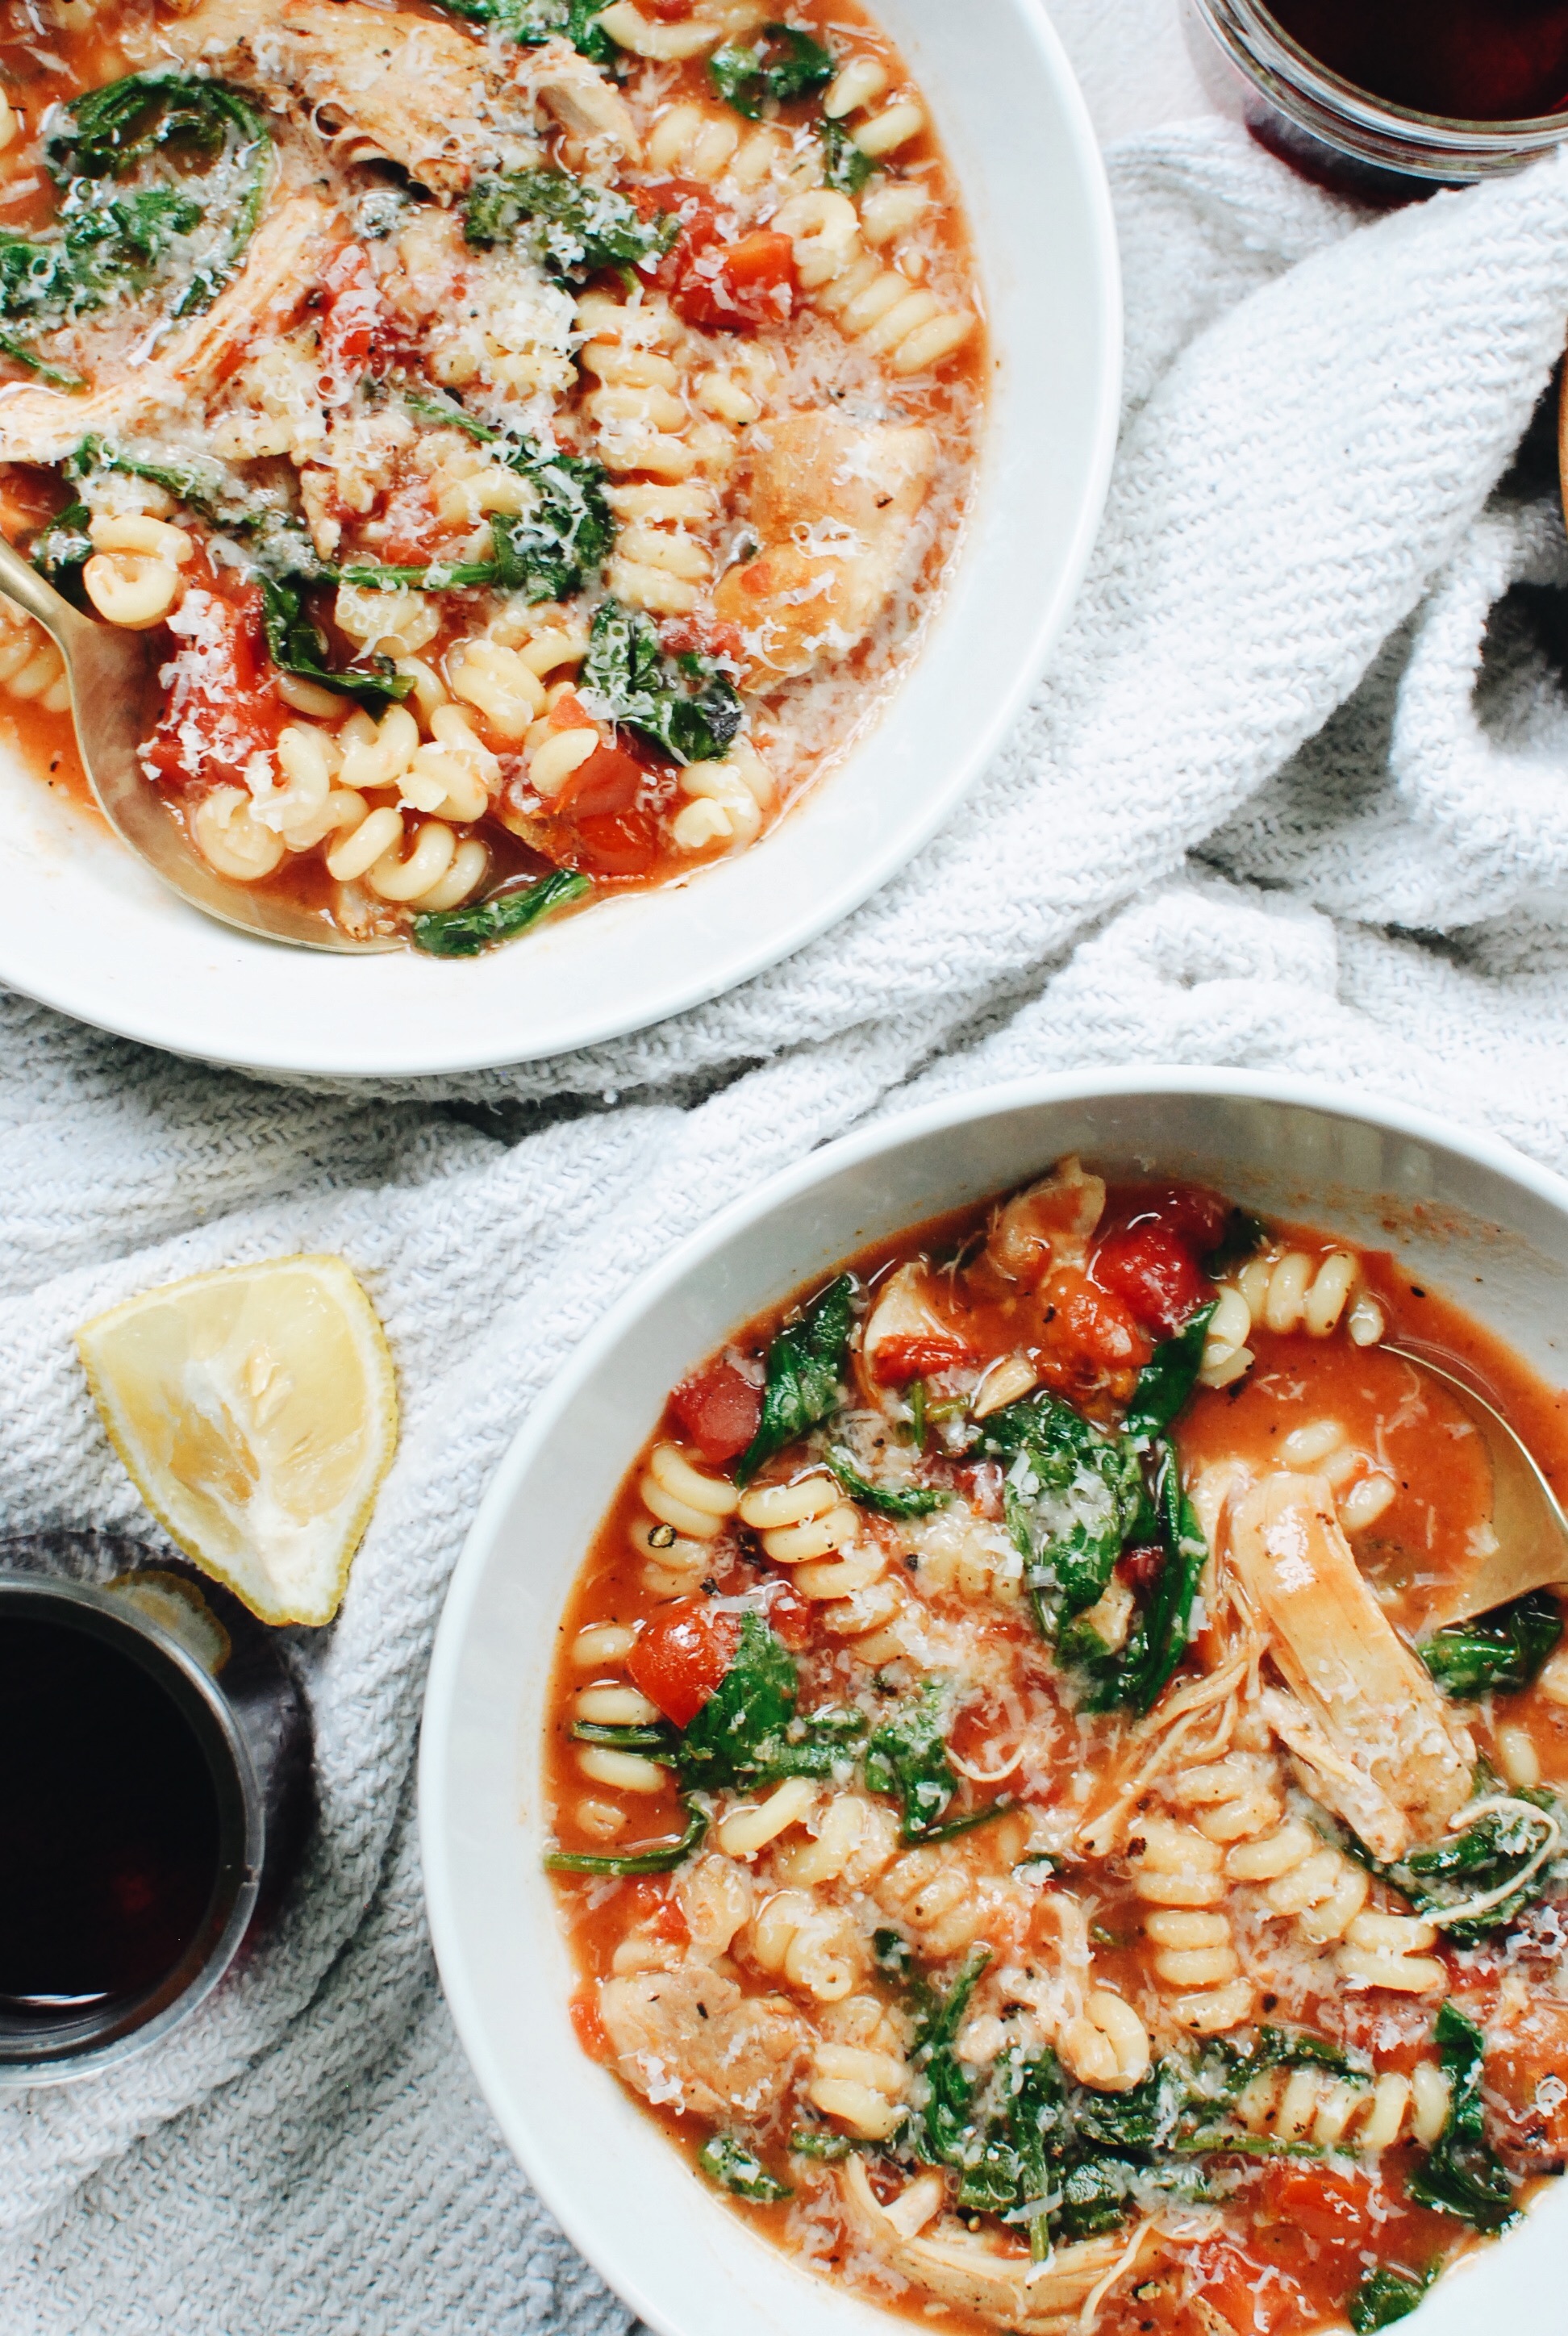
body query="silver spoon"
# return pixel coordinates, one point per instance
(1527, 1519)
(108, 671)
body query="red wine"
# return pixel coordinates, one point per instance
(109, 1826)
(1466, 60)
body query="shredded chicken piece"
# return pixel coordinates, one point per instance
(284, 260)
(409, 89)
(584, 100)
(1373, 1701)
(690, 2039)
(1051, 1224)
(835, 506)
(965, 2269)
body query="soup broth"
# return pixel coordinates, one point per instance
(1018, 1829)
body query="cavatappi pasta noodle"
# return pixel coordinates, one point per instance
(1017, 1826)
(537, 430)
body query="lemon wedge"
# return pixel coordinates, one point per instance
(255, 1411)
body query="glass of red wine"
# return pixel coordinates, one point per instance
(155, 1792)
(1382, 97)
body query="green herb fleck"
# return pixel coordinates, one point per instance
(1498, 1654)
(463, 932)
(784, 64)
(736, 2168)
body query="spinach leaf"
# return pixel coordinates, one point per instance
(109, 131)
(275, 539)
(1135, 1679)
(1384, 2296)
(298, 645)
(1498, 1654)
(546, 553)
(1168, 1378)
(55, 375)
(734, 2167)
(576, 228)
(807, 1364)
(1243, 1237)
(940, 2127)
(463, 932)
(656, 1741)
(752, 1706)
(531, 23)
(907, 1757)
(1231, 2066)
(828, 2148)
(1143, 2118)
(883, 1499)
(1095, 2195)
(660, 1857)
(1021, 2128)
(1071, 1497)
(844, 167)
(628, 677)
(1498, 1848)
(1461, 2175)
(61, 549)
(784, 64)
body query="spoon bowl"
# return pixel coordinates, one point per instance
(108, 670)
(1528, 1525)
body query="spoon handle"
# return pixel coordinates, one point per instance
(20, 582)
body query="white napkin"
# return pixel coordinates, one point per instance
(1273, 669)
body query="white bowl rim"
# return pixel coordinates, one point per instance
(76, 990)
(879, 1137)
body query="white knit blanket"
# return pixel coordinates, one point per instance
(1272, 808)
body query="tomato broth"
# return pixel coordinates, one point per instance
(990, 1736)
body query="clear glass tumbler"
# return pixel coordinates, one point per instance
(1339, 134)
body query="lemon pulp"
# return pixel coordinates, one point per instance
(255, 1411)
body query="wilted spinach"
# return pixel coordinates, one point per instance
(628, 677)
(805, 1370)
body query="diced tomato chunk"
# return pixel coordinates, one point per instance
(719, 286)
(569, 713)
(1255, 2299)
(590, 2031)
(1087, 1330)
(1156, 1275)
(735, 288)
(896, 1361)
(222, 706)
(615, 843)
(719, 1409)
(610, 779)
(681, 1656)
(1142, 1567)
(1191, 1212)
(1329, 2205)
(790, 1619)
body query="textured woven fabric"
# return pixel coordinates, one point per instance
(1269, 739)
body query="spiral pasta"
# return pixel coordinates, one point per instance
(1107, 2045)
(892, 318)
(814, 1946)
(1239, 1808)
(809, 1526)
(1179, 1873)
(1391, 1951)
(861, 2089)
(1302, 2104)
(32, 668)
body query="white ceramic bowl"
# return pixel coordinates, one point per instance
(88, 929)
(1473, 1218)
